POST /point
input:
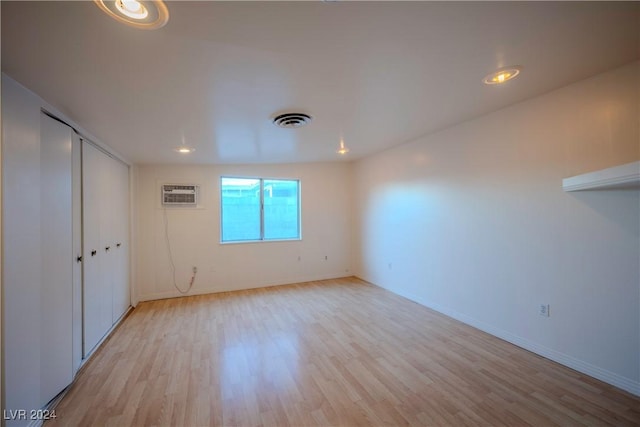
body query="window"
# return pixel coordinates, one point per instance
(259, 209)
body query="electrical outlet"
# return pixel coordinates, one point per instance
(544, 310)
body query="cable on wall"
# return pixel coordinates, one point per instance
(173, 266)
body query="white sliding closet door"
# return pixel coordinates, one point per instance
(106, 242)
(55, 308)
(56, 302)
(121, 293)
(76, 187)
(96, 289)
(106, 225)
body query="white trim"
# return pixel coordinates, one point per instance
(102, 340)
(261, 181)
(622, 176)
(594, 371)
(176, 294)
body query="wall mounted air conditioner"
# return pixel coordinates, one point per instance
(179, 195)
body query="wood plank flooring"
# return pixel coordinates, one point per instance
(338, 352)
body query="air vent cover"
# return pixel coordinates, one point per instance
(291, 120)
(180, 194)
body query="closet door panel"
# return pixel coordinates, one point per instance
(56, 303)
(76, 187)
(92, 284)
(121, 293)
(107, 244)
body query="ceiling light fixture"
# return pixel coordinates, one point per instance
(143, 14)
(342, 150)
(183, 149)
(502, 75)
(132, 8)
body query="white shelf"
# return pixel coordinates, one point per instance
(617, 177)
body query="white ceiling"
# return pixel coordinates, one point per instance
(378, 73)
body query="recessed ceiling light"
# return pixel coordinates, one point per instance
(144, 14)
(183, 149)
(343, 149)
(502, 75)
(132, 8)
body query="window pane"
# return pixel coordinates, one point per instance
(281, 211)
(240, 209)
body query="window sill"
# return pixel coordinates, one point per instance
(240, 242)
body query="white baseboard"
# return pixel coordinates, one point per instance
(608, 377)
(99, 344)
(175, 294)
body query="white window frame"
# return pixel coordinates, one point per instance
(262, 238)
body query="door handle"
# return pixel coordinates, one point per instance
(94, 252)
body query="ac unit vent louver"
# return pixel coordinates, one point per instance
(180, 195)
(292, 120)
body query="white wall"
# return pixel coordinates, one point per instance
(195, 233)
(472, 221)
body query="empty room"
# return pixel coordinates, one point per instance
(320, 213)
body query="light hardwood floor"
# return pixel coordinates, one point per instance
(338, 352)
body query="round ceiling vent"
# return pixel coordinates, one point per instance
(291, 120)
